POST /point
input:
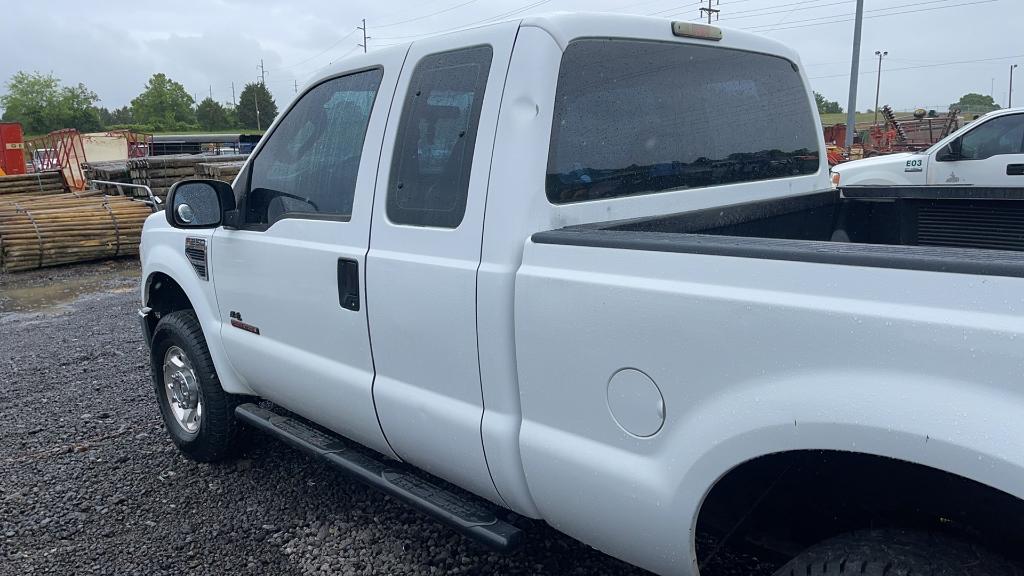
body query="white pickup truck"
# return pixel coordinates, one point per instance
(987, 152)
(589, 269)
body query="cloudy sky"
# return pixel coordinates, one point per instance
(938, 49)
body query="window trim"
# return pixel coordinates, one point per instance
(794, 65)
(474, 122)
(243, 200)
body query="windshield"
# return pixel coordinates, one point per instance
(636, 117)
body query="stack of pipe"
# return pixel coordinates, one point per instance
(108, 171)
(38, 183)
(53, 230)
(225, 171)
(160, 172)
(12, 203)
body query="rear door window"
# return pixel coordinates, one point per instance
(436, 135)
(637, 117)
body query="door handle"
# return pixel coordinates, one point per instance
(348, 283)
(1015, 169)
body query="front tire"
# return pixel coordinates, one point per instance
(897, 552)
(198, 414)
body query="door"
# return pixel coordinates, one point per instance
(288, 281)
(991, 154)
(421, 271)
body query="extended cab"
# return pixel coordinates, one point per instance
(988, 152)
(589, 269)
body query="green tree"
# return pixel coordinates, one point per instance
(211, 115)
(41, 104)
(122, 116)
(164, 105)
(256, 96)
(106, 118)
(975, 102)
(827, 106)
(232, 116)
(78, 108)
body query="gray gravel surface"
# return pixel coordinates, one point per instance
(91, 484)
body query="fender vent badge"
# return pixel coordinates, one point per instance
(195, 251)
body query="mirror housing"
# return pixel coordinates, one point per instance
(198, 203)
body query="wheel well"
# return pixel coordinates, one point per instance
(164, 296)
(776, 505)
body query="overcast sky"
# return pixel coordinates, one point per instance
(114, 46)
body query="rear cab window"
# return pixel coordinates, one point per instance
(638, 117)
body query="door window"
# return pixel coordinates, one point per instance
(308, 167)
(1003, 135)
(433, 156)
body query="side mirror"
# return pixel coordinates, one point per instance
(198, 203)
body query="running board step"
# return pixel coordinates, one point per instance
(462, 511)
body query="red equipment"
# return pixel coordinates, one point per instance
(12, 148)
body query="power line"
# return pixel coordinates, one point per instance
(464, 26)
(691, 5)
(952, 63)
(770, 28)
(805, 4)
(400, 22)
(326, 50)
(802, 5)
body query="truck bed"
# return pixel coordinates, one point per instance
(941, 229)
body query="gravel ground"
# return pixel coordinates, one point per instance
(91, 484)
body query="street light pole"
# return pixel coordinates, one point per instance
(851, 106)
(1009, 103)
(878, 86)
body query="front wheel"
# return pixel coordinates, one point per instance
(198, 414)
(893, 552)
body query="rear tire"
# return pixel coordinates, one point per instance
(897, 553)
(198, 413)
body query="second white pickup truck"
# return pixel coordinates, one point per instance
(988, 152)
(589, 269)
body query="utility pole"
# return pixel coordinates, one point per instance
(710, 11)
(296, 85)
(263, 73)
(211, 91)
(233, 103)
(878, 86)
(1009, 99)
(851, 110)
(365, 37)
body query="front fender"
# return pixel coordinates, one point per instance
(163, 251)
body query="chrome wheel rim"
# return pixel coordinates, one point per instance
(182, 390)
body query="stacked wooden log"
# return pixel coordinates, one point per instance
(62, 229)
(225, 171)
(10, 204)
(38, 183)
(160, 172)
(108, 171)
